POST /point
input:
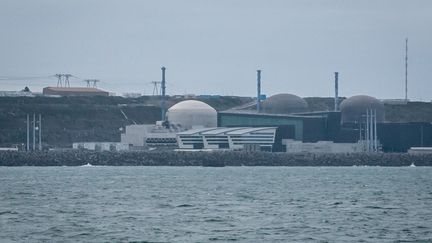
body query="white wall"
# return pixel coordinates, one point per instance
(321, 147)
(135, 134)
(103, 146)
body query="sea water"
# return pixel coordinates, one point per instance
(199, 204)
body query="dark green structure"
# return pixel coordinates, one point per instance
(326, 126)
(306, 127)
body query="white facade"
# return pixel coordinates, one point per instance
(9, 149)
(293, 146)
(420, 150)
(148, 135)
(192, 114)
(234, 138)
(135, 134)
(101, 146)
(16, 94)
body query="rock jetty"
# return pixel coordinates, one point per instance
(216, 159)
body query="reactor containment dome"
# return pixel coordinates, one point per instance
(354, 109)
(192, 114)
(284, 104)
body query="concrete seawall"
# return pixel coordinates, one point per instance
(226, 158)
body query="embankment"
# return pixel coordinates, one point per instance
(226, 158)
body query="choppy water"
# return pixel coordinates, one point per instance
(196, 204)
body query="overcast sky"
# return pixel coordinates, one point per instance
(215, 47)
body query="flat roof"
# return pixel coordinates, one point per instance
(249, 130)
(226, 130)
(221, 130)
(254, 113)
(74, 89)
(196, 130)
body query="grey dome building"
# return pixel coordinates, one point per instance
(192, 113)
(354, 108)
(284, 104)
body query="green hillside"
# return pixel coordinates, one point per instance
(74, 119)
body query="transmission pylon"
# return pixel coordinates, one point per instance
(67, 76)
(63, 79)
(156, 85)
(59, 80)
(91, 82)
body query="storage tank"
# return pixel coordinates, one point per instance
(192, 113)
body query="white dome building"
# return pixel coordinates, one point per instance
(192, 113)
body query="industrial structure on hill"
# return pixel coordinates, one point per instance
(74, 91)
(280, 123)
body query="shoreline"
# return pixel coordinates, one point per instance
(210, 159)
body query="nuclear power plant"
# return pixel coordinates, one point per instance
(279, 123)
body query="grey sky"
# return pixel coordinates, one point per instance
(215, 47)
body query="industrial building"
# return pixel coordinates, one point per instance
(74, 91)
(146, 136)
(293, 146)
(101, 146)
(343, 129)
(237, 138)
(281, 123)
(185, 115)
(193, 124)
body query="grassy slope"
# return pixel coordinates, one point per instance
(74, 119)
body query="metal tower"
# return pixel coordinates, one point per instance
(91, 82)
(155, 87)
(258, 90)
(336, 99)
(67, 76)
(59, 79)
(163, 94)
(63, 79)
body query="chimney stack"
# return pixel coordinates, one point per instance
(163, 94)
(336, 98)
(258, 90)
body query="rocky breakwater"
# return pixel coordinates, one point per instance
(219, 158)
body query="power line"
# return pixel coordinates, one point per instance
(91, 81)
(23, 77)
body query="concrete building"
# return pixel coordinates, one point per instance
(16, 94)
(234, 138)
(101, 146)
(420, 150)
(293, 146)
(306, 127)
(148, 135)
(74, 91)
(135, 135)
